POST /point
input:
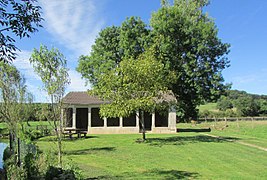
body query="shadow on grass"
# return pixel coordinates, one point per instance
(193, 130)
(153, 174)
(76, 138)
(53, 138)
(89, 151)
(183, 140)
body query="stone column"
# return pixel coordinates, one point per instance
(89, 118)
(74, 117)
(153, 121)
(121, 121)
(105, 122)
(172, 120)
(137, 119)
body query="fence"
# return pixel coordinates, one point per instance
(210, 119)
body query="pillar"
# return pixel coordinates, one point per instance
(105, 122)
(172, 119)
(137, 119)
(153, 121)
(89, 118)
(121, 119)
(74, 117)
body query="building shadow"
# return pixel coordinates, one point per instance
(74, 138)
(153, 174)
(193, 130)
(183, 140)
(89, 151)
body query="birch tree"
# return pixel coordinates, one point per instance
(51, 66)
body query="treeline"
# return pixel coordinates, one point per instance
(36, 112)
(238, 104)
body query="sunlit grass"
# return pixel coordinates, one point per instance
(168, 156)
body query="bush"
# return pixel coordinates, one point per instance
(7, 154)
(56, 173)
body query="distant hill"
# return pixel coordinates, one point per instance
(236, 103)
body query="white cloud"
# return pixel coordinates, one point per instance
(74, 23)
(33, 81)
(23, 64)
(77, 84)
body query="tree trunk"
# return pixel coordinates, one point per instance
(10, 141)
(58, 134)
(18, 156)
(142, 120)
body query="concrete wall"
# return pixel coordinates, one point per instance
(113, 130)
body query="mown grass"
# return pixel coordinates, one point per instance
(164, 156)
(208, 106)
(254, 132)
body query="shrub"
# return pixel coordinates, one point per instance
(57, 173)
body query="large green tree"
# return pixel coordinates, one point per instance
(135, 85)
(51, 66)
(18, 19)
(182, 37)
(186, 40)
(114, 44)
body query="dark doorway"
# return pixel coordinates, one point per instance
(95, 118)
(161, 119)
(82, 118)
(68, 115)
(148, 121)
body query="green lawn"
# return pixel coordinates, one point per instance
(165, 156)
(209, 107)
(254, 132)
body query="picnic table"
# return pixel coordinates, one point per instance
(71, 131)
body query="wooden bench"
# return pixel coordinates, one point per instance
(80, 134)
(67, 133)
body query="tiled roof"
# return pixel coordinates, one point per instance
(82, 98)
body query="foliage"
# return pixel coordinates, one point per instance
(112, 46)
(182, 37)
(18, 18)
(29, 168)
(224, 103)
(51, 66)
(136, 84)
(186, 40)
(14, 100)
(247, 106)
(237, 103)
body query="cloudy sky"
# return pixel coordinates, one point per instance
(72, 26)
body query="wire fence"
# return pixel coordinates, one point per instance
(211, 119)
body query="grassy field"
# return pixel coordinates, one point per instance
(209, 107)
(187, 155)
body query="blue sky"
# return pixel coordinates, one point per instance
(72, 26)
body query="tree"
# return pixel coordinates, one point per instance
(114, 44)
(18, 18)
(51, 66)
(186, 41)
(182, 37)
(14, 102)
(224, 103)
(136, 84)
(247, 106)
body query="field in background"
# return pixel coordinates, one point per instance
(189, 155)
(208, 106)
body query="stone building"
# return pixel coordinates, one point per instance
(82, 112)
